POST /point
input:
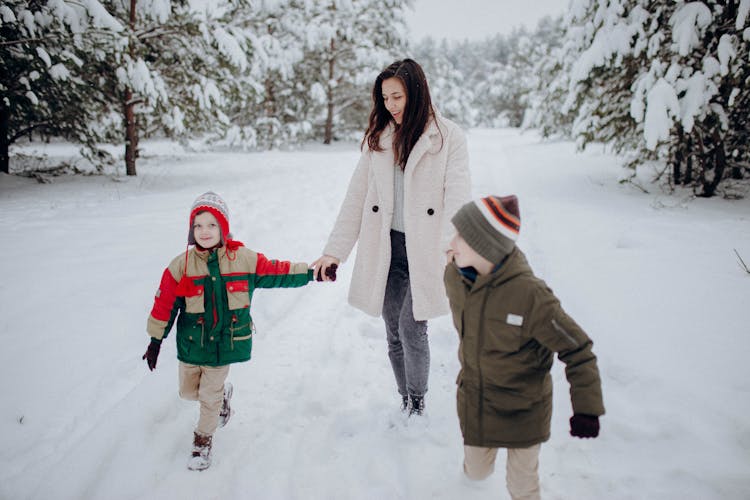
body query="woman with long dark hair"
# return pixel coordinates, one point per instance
(412, 177)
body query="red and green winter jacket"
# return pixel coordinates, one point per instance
(214, 324)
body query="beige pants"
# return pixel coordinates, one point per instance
(522, 469)
(204, 384)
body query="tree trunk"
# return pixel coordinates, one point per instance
(678, 157)
(719, 163)
(131, 132)
(266, 136)
(689, 165)
(270, 103)
(329, 96)
(4, 139)
(676, 165)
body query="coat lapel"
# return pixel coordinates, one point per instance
(382, 168)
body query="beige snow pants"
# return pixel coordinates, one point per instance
(522, 469)
(206, 385)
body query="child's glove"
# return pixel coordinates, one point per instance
(330, 271)
(584, 426)
(152, 352)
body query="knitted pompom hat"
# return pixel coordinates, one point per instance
(490, 225)
(214, 204)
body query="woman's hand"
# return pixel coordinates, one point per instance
(323, 263)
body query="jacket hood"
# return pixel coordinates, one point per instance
(515, 265)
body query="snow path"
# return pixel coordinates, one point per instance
(653, 280)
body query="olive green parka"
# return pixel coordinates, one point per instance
(510, 324)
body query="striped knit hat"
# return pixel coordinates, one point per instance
(490, 225)
(214, 204)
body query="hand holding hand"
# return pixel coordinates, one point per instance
(449, 255)
(324, 269)
(152, 353)
(584, 426)
(330, 272)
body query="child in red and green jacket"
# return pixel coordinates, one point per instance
(207, 291)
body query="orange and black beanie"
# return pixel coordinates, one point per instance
(490, 225)
(214, 204)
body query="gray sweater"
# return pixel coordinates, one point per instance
(397, 224)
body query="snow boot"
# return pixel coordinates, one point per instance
(200, 458)
(226, 411)
(404, 403)
(416, 405)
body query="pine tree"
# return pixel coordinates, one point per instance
(348, 43)
(48, 71)
(502, 92)
(550, 81)
(451, 94)
(663, 80)
(177, 68)
(268, 108)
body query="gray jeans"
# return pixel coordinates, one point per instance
(408, 346)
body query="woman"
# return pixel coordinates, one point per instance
(412, 177)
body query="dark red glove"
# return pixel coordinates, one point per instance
(330, 271)
(152, 352)
(584, 426)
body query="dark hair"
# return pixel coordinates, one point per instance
(416, 114)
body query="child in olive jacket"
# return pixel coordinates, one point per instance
(207, 290)
(510, 326)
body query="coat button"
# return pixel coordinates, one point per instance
(374, 208)
(430, 211)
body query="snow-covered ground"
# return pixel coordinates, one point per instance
(652, 278)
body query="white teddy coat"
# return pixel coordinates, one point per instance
(436, 185)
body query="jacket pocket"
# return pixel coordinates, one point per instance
(189, 337)
(238, 294)
(240, 331)
(504, 401)
(194, 304)
(502, 336)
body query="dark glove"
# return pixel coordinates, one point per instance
(330, 271)
(584, 426)
(152, 352)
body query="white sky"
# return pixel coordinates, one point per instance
(476, 19)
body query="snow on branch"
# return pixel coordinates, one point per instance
(6, 15)
(610, 42)
(662, 106)
(726, 52)
(100, 17)
(688, 23)
(230, 47)
(742, 13)
(138, 76)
